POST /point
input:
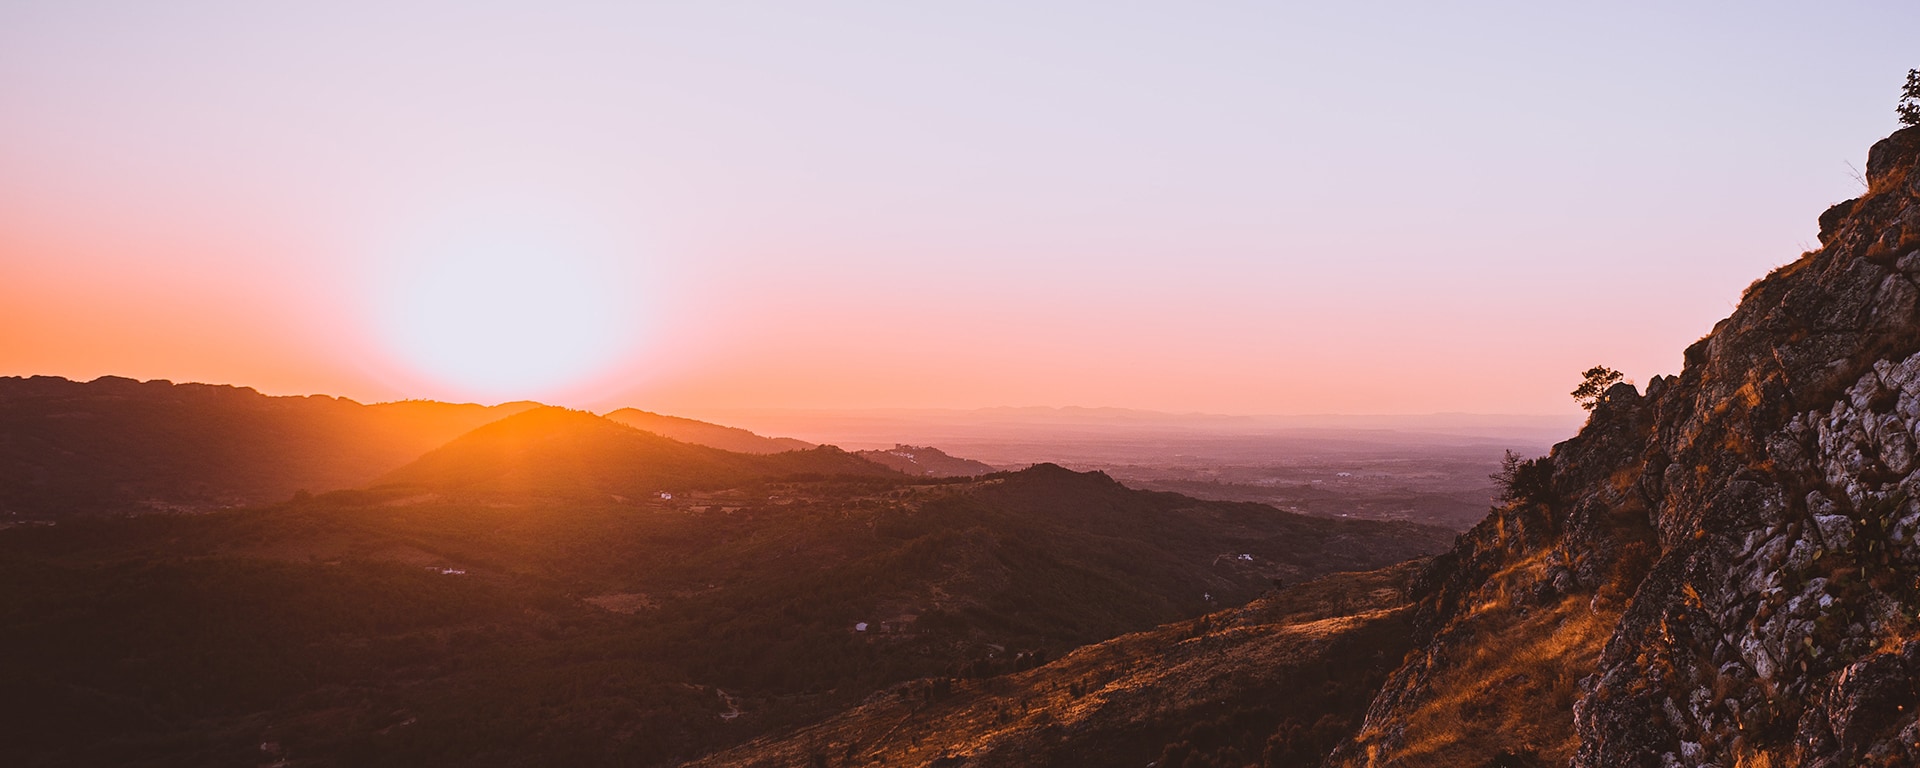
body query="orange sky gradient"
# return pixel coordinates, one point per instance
(1230, 209)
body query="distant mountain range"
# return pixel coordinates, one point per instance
(116, 446)
(1013, 425)
(703, 433)
(1116, 437)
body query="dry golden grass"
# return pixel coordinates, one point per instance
(1757, 760)
(1506, 681)
(1123, 686)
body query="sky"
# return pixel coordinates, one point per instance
(1255, 208)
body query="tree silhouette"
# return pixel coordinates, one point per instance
(1522, 480)
(1909, 107)
(1593, 390)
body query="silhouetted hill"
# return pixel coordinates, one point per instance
(458, 624)
(560, 451)
(116, 445)
(702, 433)
(926, 461)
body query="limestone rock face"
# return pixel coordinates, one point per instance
(1748, 531)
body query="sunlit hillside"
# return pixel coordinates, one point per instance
(550, 451)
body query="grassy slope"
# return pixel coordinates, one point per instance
(1278, 680)
(1503, 686)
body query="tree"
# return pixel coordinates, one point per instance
(1509, 476)
(1522, 480)
(1909, 106)
(1593, 390)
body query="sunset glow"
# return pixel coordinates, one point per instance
(496, 311)
(851, 383)
(689, 208)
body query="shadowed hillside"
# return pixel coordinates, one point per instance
(116, 445)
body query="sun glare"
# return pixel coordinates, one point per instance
(506, 312)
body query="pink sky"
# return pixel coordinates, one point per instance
(1237, 208)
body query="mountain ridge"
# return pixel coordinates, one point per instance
(558, 450)
(118, 446)
(705, 433)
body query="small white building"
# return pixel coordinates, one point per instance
(860, 627)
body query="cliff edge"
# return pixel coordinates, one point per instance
(1723, 571)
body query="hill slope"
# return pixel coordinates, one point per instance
(115, 445)
(703, 433)
(1721, 572)
(1275, 682)
(926, 461)
(555, 450)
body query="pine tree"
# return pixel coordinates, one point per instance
(1909, 107)
(1593, 389)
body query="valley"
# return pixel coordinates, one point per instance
(557, 583)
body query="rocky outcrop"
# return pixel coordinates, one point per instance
(1747, 530)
